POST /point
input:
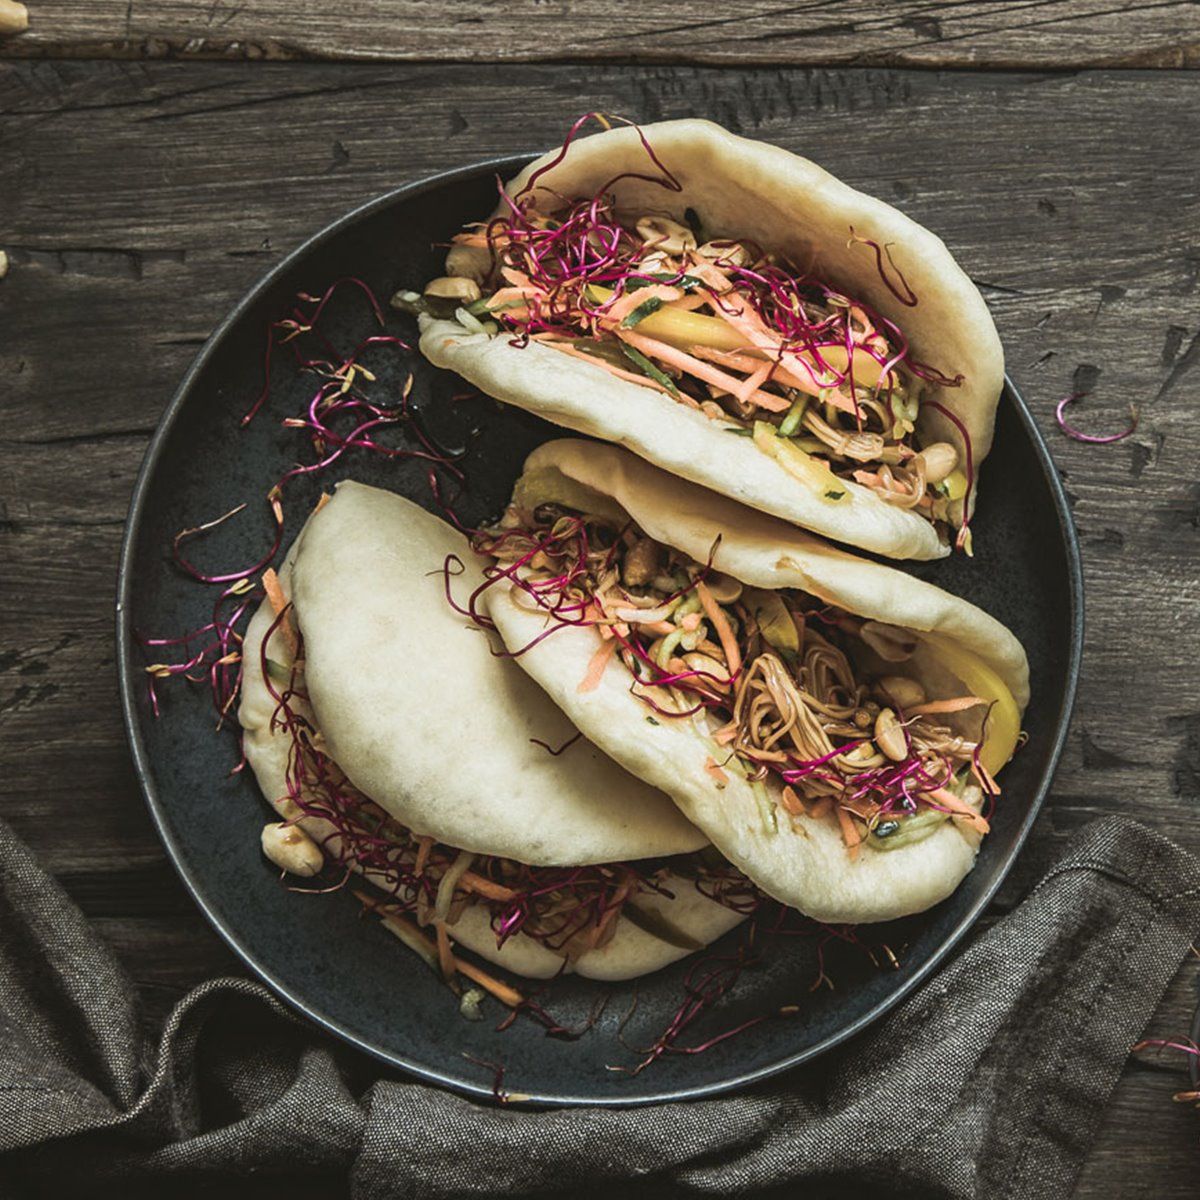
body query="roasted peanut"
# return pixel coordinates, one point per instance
(291, 849)
(889, 735)
(454, 287)
(642, 563)
(940, 459)
(666, 235)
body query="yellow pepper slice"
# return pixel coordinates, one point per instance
(1004, 723)
(684, 329)
(803, 466)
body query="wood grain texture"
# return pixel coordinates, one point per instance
(141, 199)
(920, 33)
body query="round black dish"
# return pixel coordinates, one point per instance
(349, 975)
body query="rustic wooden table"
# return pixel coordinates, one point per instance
(157, 160)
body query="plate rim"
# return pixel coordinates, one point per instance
(503, 166)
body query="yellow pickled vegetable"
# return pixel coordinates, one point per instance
(1004, 721)
(803, 466)
(774, 620)
(683, 329)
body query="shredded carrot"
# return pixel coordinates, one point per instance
(502, 991)
(874, 479)
(733, 657)
(690, 623)
(598, 665)
(711, 767)
(945, 706)
(662, 352)
(758, 369)
(613, 911)
(279, 603)
(445, 958)
(800, 366)
(791, 802)
(726, 734)
(850, 834)
(987, 781)
(959, 808)
(481, 886)
(821, 807)
(750, 385)
(660, 627)
(271, 586)
(426, 844)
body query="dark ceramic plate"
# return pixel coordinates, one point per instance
(349, 975)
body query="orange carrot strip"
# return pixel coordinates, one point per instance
(985, 777)
(598, 665)
(482, 886)
(733, 657)
(502, 991)
(791, 802)
(850, 833)
(660, 627)
(662, 352)
(751, 364)
(754, 381)
(726, 734)
(445, 958)
(274, 590)
(711, 767)
(821, 806)
(279, 603)
(959, 808)
(610, 915)
(802, 370)
(959, 704)
(423, 855)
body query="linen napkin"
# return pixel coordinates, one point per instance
(987, 1082)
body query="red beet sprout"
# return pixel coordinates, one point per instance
(665, 179)
(560, 907)
(1094, 439)
(550, 749)
(900, 288)
(559, 271)
(339, 417)
(212, 652)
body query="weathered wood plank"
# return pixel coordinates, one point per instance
(951, 33)
(142, 199)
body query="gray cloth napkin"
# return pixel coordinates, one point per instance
(988, 1082)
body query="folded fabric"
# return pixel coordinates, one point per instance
(989, 1081)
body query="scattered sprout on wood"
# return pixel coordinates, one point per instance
(1094, 439)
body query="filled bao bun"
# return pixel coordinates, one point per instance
(787, 206)
(803, 857)
(423, 719)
